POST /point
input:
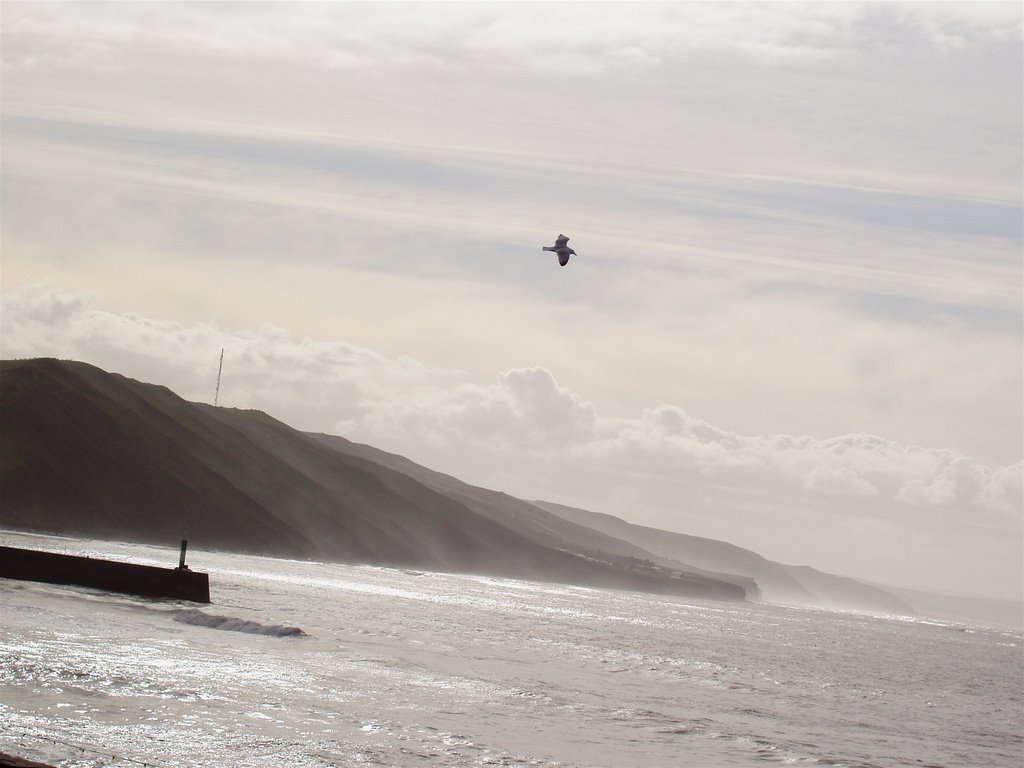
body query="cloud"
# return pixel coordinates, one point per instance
(526, 434)
(526, 410)
(198, 178)
(840, 481)
(312, 383)
(666, 88)
(572, 37)
(317, 384)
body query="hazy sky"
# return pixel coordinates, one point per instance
(795, 317)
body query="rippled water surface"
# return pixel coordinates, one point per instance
(306, 664)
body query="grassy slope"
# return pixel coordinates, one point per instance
(533, 520)
(86, 452)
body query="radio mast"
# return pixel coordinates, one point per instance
(216, 395)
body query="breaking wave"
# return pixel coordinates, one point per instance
(200, 619)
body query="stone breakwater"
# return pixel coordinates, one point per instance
(109, 575)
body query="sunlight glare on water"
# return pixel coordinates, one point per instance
(310, 664)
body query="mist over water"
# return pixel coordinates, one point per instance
(310, 664)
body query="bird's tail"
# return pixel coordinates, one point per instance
(547, 248)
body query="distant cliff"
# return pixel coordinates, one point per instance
(86, 452)
(795, 585)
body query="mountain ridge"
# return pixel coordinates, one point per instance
(87, 452)
(534, 519)
(135, 460)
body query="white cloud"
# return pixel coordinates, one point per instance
(315, 384)
(528, 435)
(581, 38)
(665, 82)
(311, 383)
(839, 481)
(526, 410)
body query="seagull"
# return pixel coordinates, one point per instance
(561, 247)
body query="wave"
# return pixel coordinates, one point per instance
(232, 624)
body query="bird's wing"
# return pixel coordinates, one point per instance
(560, 241)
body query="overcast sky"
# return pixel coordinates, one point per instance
(794, 320)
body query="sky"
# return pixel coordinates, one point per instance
(794, 320)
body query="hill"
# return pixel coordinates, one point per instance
(535, 522)
(90, 453)
(798, 585)
(86, 452)
(773, 579)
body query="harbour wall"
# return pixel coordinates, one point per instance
(109, 575)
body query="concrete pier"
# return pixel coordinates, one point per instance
(128, 578)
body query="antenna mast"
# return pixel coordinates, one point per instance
(220, 368)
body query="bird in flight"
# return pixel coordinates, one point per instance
(561, 248)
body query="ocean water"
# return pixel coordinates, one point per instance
(307, 664)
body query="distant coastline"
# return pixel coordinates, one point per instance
(89, 453)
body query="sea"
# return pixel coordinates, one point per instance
(305, 664)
